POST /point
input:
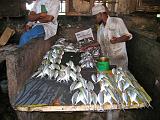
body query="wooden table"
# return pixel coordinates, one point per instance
(41, 94)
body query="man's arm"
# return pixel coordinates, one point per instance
(124, 33)
(33, 16)
(123, 38)
(41, 17)
(44, 18)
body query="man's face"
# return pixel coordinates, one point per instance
(99, 19)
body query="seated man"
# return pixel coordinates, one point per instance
(41, 23)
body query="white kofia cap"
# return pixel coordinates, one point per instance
(98, 9)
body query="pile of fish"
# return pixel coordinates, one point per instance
(51, 63)
(66, 45)
(87, 60)
(120, 88)
(84, 92)
(51, 66)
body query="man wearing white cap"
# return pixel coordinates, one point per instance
(112, 35)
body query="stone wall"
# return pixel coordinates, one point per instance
(144, 53)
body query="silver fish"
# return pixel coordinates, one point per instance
(94, 78)
(56, 74)
(100, 76)
(108, 99)
(51, 73)
(125, 98)
(36, 73)
(74, 98)
(73, 75)
(120, 85)
(52, 66)
(78, 69)
(100, 98)
(94, 98)
(126, 85)
(133, 97)
(89, 100)
(81, 98)
(73, 86)
(90, 85)
(83, 81)
(78, 85)
(57, 67)
(85, 93)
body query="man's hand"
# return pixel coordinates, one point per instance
(123, 38)
(114, 40)
(42, 15)
(27, 27)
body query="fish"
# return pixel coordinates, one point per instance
(125, 86)
(94, 78)
(51, 73)
(100, 98)
(108, 99)
(133, 97)
(125, 98)
(85, 93)
(78, 85)
(81, 98)
(73, 75)
(89, 100)
(58, 60)
(73, 86)
(74, 98)
(94, 97)
(57, 67)
(83, 81)
(120, 85)
(35, 74)
(78, 69)
(56, 74)
(90, 86)
(100, 76)
(113, 95)
(52, 66)
(114, 71)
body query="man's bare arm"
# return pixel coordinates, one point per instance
(33, 16)
(44, 18)
(123, 38)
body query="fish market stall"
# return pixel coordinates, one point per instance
(69, 80)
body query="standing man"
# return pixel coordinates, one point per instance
(111, 36)
(42, 21)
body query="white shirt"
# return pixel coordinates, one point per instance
(114, 27)
(52, 7)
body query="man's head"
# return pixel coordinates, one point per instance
(100, 12)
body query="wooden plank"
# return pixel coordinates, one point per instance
(8, 32)
(70, 108)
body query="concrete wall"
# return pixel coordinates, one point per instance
(144, 53)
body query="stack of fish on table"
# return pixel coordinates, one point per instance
(119, 88)
(88, 58)
(51, 66)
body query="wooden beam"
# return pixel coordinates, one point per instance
(70, 108)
